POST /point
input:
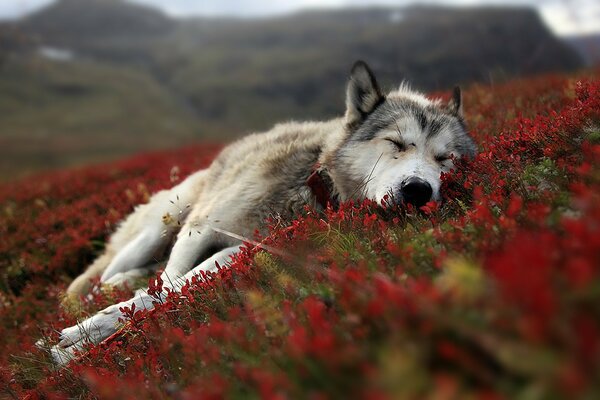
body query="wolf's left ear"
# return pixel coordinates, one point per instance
(455, 105)
(363, 94)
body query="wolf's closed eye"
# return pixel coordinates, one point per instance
(399, 145)
(442, 157)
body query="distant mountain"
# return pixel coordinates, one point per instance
(251, 73)
(11, 41)
(136, 79)
(588, 47)
(68, 19)
(435, 47)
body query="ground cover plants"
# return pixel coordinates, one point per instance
(494, 293)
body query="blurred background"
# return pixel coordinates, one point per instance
(84, 81)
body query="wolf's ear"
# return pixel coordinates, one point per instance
(455, 105)
(362, 94)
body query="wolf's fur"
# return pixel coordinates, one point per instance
(383, 143)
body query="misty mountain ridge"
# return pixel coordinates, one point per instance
(84, 18)
(433, 46)
(588, 47)
(143, 80)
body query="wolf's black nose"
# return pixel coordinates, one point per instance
(416, 191)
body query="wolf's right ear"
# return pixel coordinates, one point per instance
(455, 105)
(362, 94)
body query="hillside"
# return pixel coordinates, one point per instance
(219, 78)
(491, 294)
(296, 67)
(90, 19)
(588, 47)
(55, 114)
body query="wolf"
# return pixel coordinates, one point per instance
(386, 147)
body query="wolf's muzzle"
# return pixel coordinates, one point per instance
(416, 191)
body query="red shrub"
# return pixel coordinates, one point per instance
(489, 294)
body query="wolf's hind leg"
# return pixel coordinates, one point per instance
(82, 283)
(144, 235)
(144, 249)
(137, 242)
(192, 241)
(131, 277)
(156, 224)
(105, 323)
(222, 258)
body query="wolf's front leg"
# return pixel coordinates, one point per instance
(97, 328)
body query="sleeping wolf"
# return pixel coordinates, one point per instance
(387, 146)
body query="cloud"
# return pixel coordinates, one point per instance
(573, 17)
(16, 8)
(243, 8)
(564, 16)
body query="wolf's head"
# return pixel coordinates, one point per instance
(397, 144)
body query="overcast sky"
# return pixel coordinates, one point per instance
(564, 16)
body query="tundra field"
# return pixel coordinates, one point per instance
(493, 294)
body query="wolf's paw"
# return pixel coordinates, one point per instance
(136, 278)
(91, 331)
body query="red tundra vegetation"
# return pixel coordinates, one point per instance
(495, 293)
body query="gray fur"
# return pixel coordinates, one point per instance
(381, 143)
(363, 94)
(431, 119)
